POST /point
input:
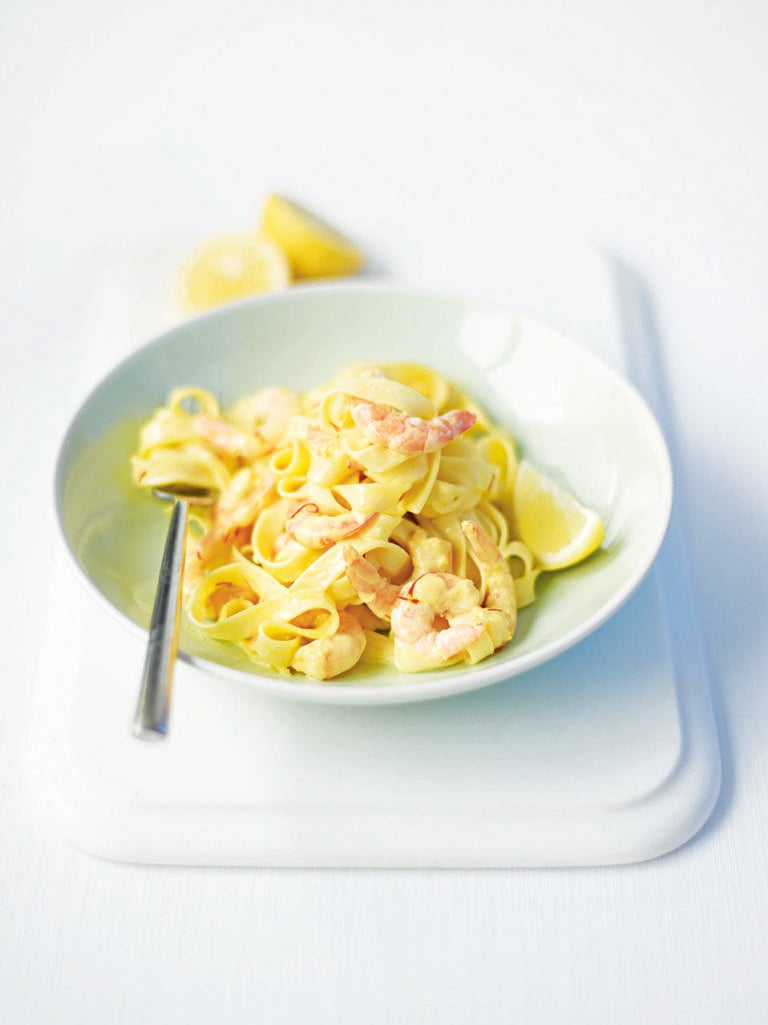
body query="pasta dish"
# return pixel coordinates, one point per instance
(369, 519)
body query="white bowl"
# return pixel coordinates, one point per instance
(573, 416)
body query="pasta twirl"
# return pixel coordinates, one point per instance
(367, 520)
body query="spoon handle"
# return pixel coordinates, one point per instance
(151, 721)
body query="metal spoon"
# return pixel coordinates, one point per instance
(151, 720)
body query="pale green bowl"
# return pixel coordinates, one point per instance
(572, 415)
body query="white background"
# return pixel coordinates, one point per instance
(439, 135)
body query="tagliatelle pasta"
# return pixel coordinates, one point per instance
(365, 520)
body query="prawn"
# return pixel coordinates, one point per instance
(497, 578)
(321, 441)
(373, 589)
(226, 439)
(409, 435)
(255, 426)
(427, 617)
(307, 525)
(267, 414)
(238, 505)
(328, 656)
(236, 510)
(212, 549)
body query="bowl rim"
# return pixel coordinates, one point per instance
(458, 680)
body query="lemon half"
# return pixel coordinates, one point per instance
(552, 522)
(233, 267)
(313, 248)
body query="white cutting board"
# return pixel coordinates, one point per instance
(607, 754)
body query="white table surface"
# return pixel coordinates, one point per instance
(439, 135)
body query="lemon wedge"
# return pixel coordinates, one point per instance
(558, 529)
(233, 267)
(313, 248)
